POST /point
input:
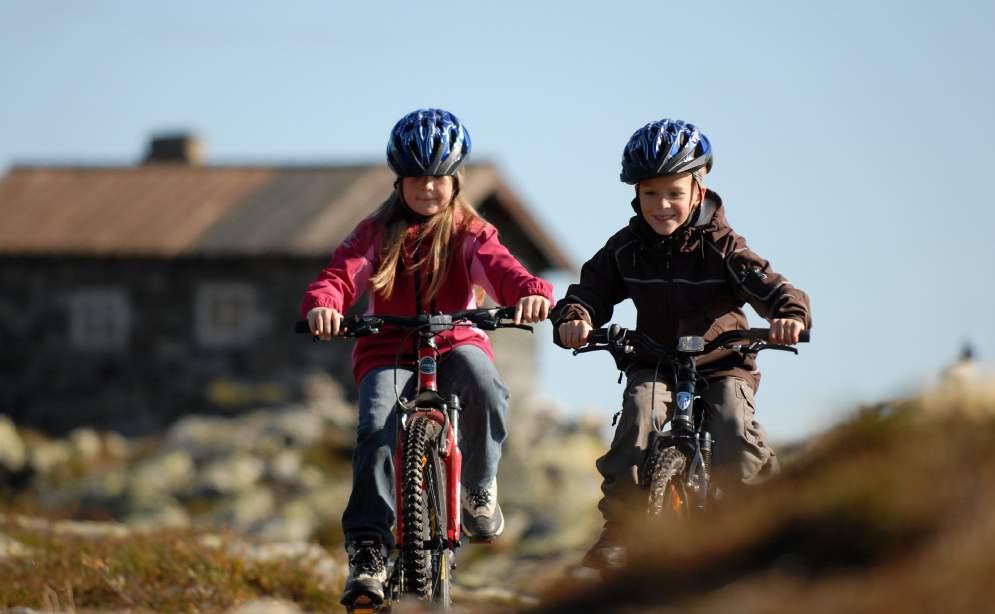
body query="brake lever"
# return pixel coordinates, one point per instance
(589, 348)
(783, 348)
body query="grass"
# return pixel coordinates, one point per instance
(156, 571)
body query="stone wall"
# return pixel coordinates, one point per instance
(121, 343)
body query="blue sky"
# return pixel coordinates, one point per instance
(853, 140)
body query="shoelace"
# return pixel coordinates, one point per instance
(479, 498)
(367, 560)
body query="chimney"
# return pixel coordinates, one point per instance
(175, 148)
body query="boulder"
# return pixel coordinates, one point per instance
(170, 472)
(243, 511)
(47, 456)
(85, 444)
(233, 474)
(13, 453)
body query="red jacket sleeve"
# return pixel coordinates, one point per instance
(345, 278)
(500, 274)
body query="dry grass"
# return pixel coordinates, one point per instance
(161, 571)
(889, 512)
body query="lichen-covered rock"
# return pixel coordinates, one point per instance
(13, 453)
(161, 514)
(85, 444)
(10, 547)
(241, 512)
(47, 456)
(170, 472)
(116, 446)
(233, 474)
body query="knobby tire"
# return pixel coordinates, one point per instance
(665, 493)
(426, 571)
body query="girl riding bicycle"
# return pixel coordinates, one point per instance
(423, 251)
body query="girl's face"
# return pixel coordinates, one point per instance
(666, 202)
(427, 195)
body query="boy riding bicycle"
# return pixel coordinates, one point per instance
(423, 251)
(688, 273)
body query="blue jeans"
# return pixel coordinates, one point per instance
(465, 371)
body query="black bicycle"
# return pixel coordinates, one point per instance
(677, 466)
(427, 459)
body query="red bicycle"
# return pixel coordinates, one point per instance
(427, 459)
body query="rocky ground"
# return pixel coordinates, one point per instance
(889, 511)
(271, 486)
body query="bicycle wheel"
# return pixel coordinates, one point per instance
(426, 569)
(666, 495)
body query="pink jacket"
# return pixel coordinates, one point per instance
(482, 260)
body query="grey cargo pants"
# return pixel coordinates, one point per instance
(741, 452)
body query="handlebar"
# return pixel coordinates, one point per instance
(622, 340)
(491, 318)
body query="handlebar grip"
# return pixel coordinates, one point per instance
(762, 334)
(598, 335)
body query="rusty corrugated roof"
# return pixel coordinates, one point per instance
(173, 209)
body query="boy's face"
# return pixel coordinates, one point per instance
(666, 202)
(427, 195)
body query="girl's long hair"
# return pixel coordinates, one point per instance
(436, 233)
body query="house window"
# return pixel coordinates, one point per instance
(99, 319)
(227, 314)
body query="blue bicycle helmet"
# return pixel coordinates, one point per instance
(665, 147)
(427, 142)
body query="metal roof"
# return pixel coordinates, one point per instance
(166, 210)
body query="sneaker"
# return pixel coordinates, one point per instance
(482, 517)
(367, 572)
(607, 554)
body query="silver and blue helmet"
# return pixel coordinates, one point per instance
(665, 147)
(427, 142)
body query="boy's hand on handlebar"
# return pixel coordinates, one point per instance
(785, 331)
(324, 322)
(531, 309)
(573, 334)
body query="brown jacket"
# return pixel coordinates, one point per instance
(694, 282)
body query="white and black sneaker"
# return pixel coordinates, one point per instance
(367, 572)
(482, 517)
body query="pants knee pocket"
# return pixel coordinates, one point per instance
(752, 431)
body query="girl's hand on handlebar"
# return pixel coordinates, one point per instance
(785, 331)
(324, 322)
(531, 309)
(573, 334)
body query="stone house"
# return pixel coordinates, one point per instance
(130, 295)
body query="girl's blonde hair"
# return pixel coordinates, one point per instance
(437, 233)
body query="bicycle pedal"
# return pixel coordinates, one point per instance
(483, 540)
(363, 605)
